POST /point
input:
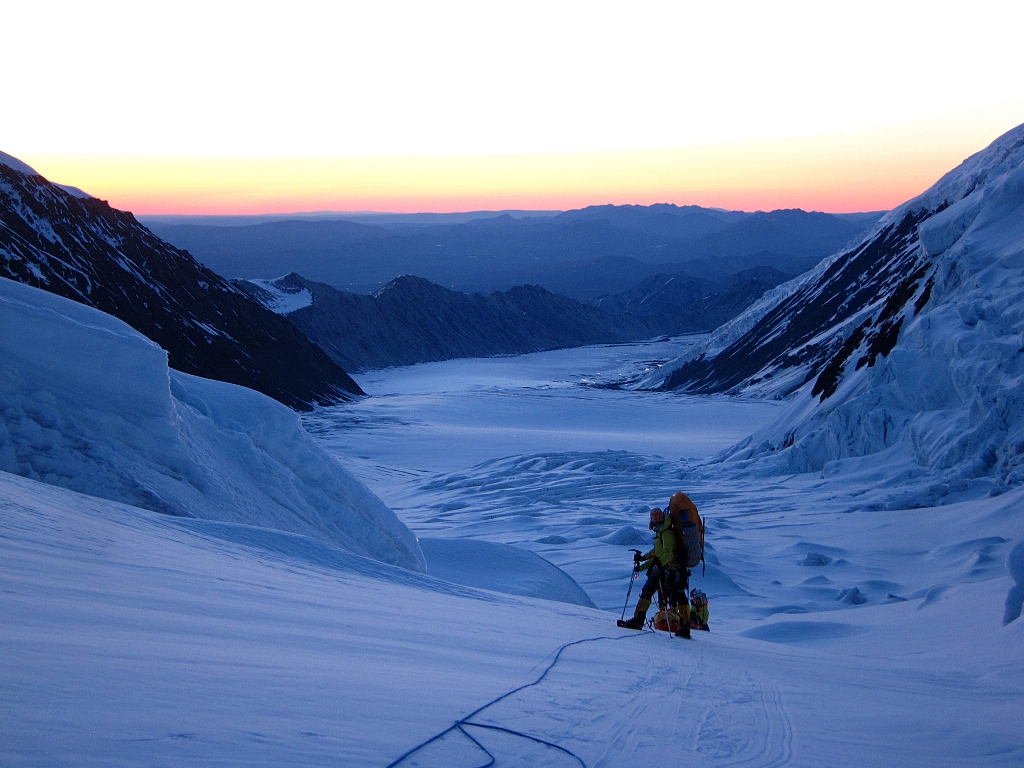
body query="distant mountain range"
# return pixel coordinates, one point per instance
(68, 243)
(584, 254)
(622, 260)
(411, 320)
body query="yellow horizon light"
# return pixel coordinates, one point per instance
(836, 174)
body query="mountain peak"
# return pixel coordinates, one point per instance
(14, 163)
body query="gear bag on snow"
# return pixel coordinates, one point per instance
(672, 624)
(699, 610)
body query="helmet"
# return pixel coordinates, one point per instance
(657, 517)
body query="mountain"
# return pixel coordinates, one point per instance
(386, 220)
(907, 346)
(687, 222)
(411, 320)
(682, 303)
(582, 254)
(79, 247)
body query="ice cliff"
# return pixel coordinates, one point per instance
(89, 404)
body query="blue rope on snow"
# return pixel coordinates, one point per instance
(458, 725)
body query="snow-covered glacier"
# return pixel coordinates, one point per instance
(89, 404)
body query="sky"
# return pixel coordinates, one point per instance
(218, 107)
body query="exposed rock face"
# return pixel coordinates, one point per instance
(682, 303)
(80, 248)
(804, 333)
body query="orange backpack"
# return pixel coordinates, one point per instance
(688, 527)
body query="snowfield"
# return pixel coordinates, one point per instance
(843, 633)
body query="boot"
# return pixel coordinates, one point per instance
(684, 622)
(639, 616)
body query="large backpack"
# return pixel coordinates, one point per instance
(689, 528)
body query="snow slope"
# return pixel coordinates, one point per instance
(946, 404)
(132, 638)
(889, 635)
(279, 296)
(89, 404)
(14, 163)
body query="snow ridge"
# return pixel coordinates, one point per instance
(89, 404)
(280, 296)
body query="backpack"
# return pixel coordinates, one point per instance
(689, 528)
(694, 546)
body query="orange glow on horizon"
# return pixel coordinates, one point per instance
(835, 174)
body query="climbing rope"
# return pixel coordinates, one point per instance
(458, 725)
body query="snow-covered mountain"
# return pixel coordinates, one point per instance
(76, 246)
(908, 346)
(411, 320)
(89, 404)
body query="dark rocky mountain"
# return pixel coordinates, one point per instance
(850, 311)
(682, 303)
(581, 254)
(81, 248)
(411, 320)
(797, 338)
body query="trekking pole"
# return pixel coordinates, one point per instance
(631, 580)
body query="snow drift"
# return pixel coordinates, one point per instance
(906, 347)
(89, 404)
(501, 568)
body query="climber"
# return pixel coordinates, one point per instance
(666, 577)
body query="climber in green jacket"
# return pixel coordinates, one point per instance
(666, 575)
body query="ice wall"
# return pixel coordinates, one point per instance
(89, 404)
